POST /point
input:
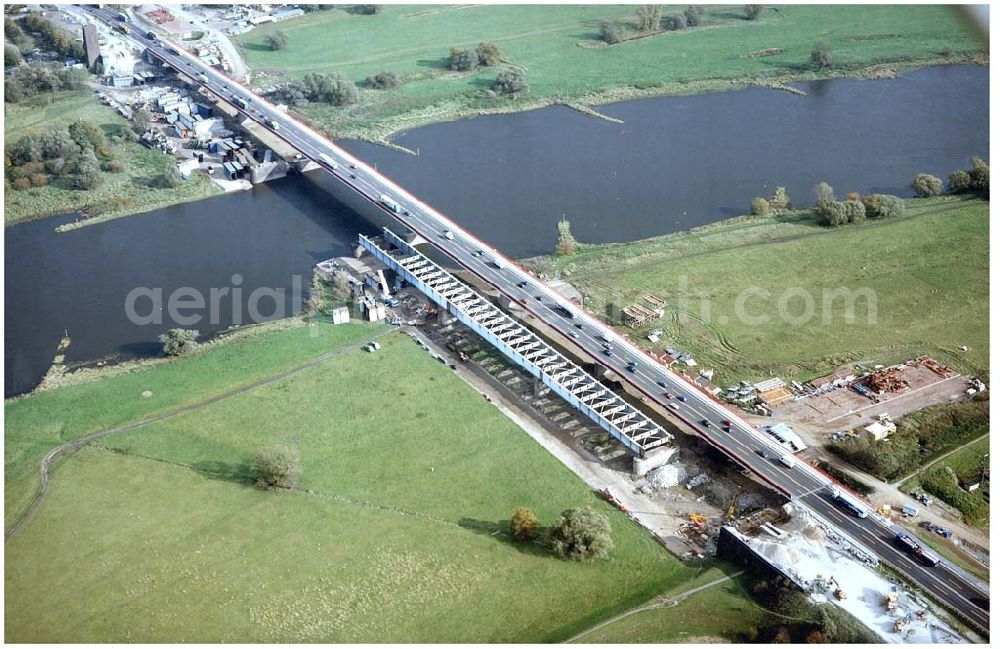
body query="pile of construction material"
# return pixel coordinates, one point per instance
(885, 380)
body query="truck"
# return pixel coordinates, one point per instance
(328, 161)
(924, 556)
(498, 263)
(788, 460)
(849, 502)
(388, 201)
(239, 102)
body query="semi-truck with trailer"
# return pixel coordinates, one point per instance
(849, 502)
(388, 201)
(912, 547)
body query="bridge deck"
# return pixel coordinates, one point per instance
(612, 413)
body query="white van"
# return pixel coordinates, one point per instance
(788, 461)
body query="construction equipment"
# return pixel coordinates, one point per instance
(697, 519)
(610, 497)
(732, 505)
(884, 510)
(892, 600)
(839, 593)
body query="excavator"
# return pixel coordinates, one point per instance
(732, 506)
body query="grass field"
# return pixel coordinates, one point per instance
(558, 48)
(928, 272)
(720, 613)
(407, 474)
(129, 192)
(37, 424)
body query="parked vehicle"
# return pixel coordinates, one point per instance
(909, 510)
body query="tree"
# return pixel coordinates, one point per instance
(340, 287)
(673, 22)
(647, 18)
(276, 40)
(177, 342)
(463, 60)
(293, 93)
(610, 33)
(86, 170)
(524, 524)
(760, 207)
(141, 121)
(854, 210)
(383, 80)
(488, 54)
(581, 533)
(567, 242)
(366, 10)
(958, 182)
(169, 177)
(13, 32)
(693, 15)
(979, 176)
(821, 56)
(926, 185)
(815, 637)
(752, 12)
(510, 82)
(87, 135)
(823, 193)
(780, 202)
(276, 467)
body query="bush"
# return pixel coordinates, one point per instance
(581, 533)
(610, 33)
(55, 166)
(760, 207)
(524, 524)
(366, 10)
(383, 80)
(958, 182)
(463, 60)
(926, 185)
(169, 177)
(488, 54)
(752, 12)
(880, 206)
(39, 180)
(674, 22)
(821, 56)
(510, 82)
(854, 210)
(566, 244)
(114, 166)
(693, 15)
(647, 18)
(11, 57)
(177, 342)
(276, 40)
(87, 180)
(22, 183)
(832, 213)
(276, 467)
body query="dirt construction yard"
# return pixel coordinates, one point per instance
(844, 409)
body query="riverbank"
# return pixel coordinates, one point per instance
(128, 192)
(927, 273)
(559, 49)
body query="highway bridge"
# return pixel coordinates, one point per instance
(962, 593)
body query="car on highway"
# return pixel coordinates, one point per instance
(727, 422)
(539, 298)
(675, 406)
(449, 235)
(606, 345)
(630, 367)
(573, 334)
(579, 325)
(761, 452)
(681, 397)
(354, 166)
(606, 352)
(662, 384)
(477, 253)
(706, 423)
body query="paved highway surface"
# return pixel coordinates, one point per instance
(699, 411)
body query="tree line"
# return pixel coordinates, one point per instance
(649, 19)
(78, 152)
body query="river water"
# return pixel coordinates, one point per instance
(675, 162)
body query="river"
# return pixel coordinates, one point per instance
(675, 163)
